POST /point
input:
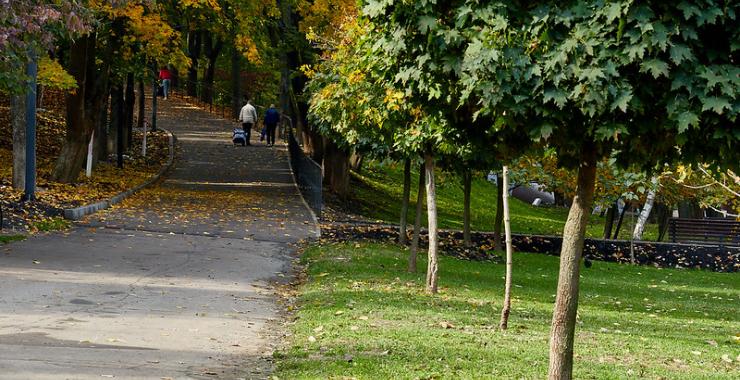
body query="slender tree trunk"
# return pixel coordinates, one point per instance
(417, 221)
(620, 220)
(566, 301)
(194, 48)
(663, 213)
(142, 105)
(506, 309)
(433, 265)
(117, 120)
(18, 119)
(467, 179)
(236, 85)
(101, 128)
(499, 213)
(645, 213)
(355, 161)
(405, 201)
(129, 102)
(211, 50)
(70, 160)
(609, 221)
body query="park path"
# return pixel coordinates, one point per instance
(176, 282)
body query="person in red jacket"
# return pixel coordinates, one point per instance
(166, 77)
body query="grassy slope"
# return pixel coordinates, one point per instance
(633, 321)
(378, 192)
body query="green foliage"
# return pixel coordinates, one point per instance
(370, 319)
(5, 239)
(51, 224)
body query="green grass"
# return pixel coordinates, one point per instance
(51, 224)
(378, 192)
(372, 320)
(5, 239)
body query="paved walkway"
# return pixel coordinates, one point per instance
(173, 283)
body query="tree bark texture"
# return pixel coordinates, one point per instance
(433, 264)
(236, 83)
(336, 169)
(620, 220)
(402, 238)
(141, 105)
(566, 301)
(499, 213)
(70, 160)
(663, 213)
(506, 309)
(128, 112)
(117, 120)
(211, 50)
(417, 221)
(194, 49)
(355, 161)
(102, 137)
(645, 213)
(609, 221)
(18, 119)
(467, 179)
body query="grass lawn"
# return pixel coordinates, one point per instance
(360, 315)
(379, 188)
(4, 239)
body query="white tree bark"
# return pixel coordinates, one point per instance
(509, 253)
(433, 265)
(645, 213)
(18, 119)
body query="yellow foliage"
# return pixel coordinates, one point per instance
(51, 74)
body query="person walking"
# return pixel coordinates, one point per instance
(248, 116)
(272, 117)
(165, 75)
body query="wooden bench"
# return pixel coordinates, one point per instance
(705, 231)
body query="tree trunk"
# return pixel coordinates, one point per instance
(236, 85)
(620, 220)
(129, 102)
(117, 120)
(18, 119)
(663, 213)
(211, 50)
(194, 46)
(101, 129)
(506, 309)
(467, 179)
(499, 213)
(142, 105)
(433, 265)
(355, 161)
(70, 160)
(405, 201)
(642, 219)
(417, 221)
(690, 210)
(566, 301)
(336, 169)
(609, 221)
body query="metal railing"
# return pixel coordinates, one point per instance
(307, 174)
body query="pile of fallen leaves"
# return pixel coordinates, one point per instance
(450, 242)
(52, 197)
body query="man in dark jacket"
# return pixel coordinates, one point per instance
(272, 117)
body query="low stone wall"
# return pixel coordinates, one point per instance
(662, 255)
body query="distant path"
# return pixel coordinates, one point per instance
(173, 283)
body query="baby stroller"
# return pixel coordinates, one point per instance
(239, 137)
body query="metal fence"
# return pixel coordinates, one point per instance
(307, 174)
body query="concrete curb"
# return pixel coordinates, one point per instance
(315, 219)
(82, 211)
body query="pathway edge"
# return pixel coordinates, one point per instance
(82, 211)
(317, 227)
